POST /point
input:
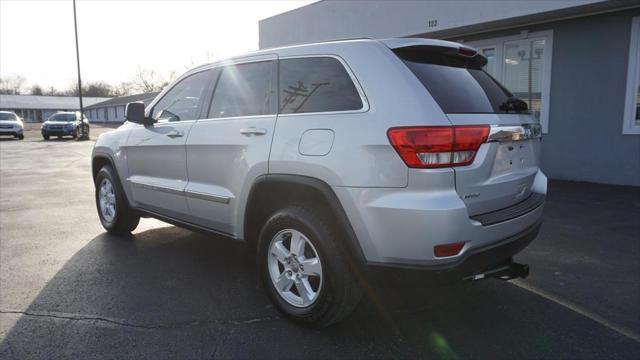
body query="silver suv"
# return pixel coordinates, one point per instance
(337, 163)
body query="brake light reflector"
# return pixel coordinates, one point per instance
(445, 250)
(438, 146)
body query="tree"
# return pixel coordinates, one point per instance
(146, 81)
(12, 85)
(52, 91)
(122, 89)
(36, 90)
(92, 89)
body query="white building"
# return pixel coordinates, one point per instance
(37, 108)
(112, 110)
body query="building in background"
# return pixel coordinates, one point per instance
(112, 110)
(36, 108)
(576, 63)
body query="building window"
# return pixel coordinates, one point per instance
(115, 110)
(522, 63)
(632, 102)
(106, 114)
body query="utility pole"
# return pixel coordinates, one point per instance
(83, 129)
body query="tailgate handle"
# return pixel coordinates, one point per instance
(502, 133)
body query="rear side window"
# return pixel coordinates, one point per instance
(458, 84)
(316, 84)
(243, 90)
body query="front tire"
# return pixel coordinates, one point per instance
(21, 137)
(115, 214)
(302, 269)
(46, 137)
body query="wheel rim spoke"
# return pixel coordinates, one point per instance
(280, 252)
(297, 244)
(311, 267)
(305, 291)
(284, 283)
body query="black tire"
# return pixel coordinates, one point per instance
(125, 220)
(59, 136)
(340, 292)
(46, 137)
(75, 133)
(21, 137)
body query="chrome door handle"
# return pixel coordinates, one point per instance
(252, 130)
(175, 134)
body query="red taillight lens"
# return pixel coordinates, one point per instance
(448, 249)
(438, 146)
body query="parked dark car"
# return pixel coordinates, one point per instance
(64, 124)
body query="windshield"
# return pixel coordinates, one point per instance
(8, 116)
(459, 84)
(63, 117)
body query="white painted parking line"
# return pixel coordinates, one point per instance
(578, 309)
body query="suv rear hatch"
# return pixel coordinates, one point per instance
(504, 168)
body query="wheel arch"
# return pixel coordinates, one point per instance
(271, 192)
(101, 159)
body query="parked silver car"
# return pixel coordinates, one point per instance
(337, 162)
(11, 124)
(64, 123)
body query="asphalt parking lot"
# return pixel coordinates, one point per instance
(69, 290)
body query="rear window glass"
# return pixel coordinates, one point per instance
(458, 84)
(317, 84)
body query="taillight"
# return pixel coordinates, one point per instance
(438, 146)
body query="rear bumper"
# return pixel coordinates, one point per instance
(401, 226)
(481, 260)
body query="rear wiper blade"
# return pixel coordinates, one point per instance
(514, 104)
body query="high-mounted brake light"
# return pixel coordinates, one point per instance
(467, 52)
(438, 146)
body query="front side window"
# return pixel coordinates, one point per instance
(243, 90)
(316, 84)
(184, 100)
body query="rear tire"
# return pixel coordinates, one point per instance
(113, 209)
(21, 137)
(46, 137)
(333, 291)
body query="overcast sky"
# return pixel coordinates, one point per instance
(117, 37)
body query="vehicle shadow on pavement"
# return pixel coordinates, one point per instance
(172, 293)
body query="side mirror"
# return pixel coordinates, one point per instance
(135, 113)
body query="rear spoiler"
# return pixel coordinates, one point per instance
(411, 48)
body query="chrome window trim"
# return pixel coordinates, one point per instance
(504, 133)
(238, 117)
(354, 80)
